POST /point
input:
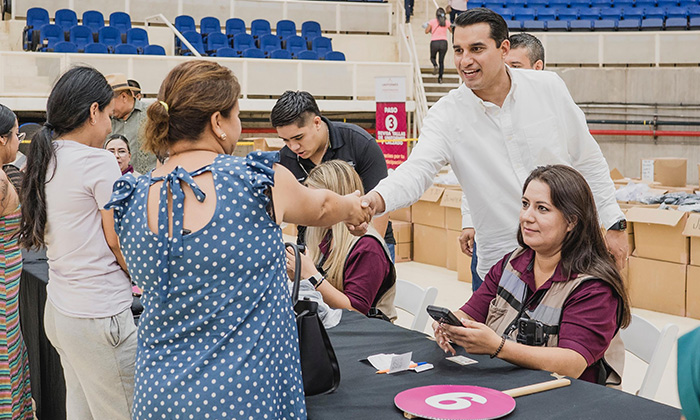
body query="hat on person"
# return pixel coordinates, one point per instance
(118, 82)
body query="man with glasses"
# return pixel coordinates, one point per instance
(128, 116)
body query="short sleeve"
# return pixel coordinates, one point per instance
(101, 172)
(259, 168)
(121, 195)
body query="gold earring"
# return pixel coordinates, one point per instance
(92, 122)
(223, 136)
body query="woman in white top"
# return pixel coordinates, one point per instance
(69, 179)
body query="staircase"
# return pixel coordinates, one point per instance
(435, 90)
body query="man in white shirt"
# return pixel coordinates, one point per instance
(494, 130)
(527, 52)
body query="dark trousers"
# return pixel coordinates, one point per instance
(439, 49)
(476, 280)
(408, 6)
(453, 15)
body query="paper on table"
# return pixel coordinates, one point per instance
(391, 362)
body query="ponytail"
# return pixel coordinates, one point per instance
(440, 15)
(157, 128)
(41, 154)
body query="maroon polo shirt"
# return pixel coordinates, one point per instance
(366, 269)
(589, 316)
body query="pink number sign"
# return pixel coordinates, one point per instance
(455, 402)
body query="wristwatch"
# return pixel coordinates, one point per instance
(619, 225)
(316, 280)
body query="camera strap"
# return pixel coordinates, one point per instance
(536, 298)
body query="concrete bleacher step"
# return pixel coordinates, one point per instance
(434, 90)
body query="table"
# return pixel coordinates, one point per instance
(46, 373)
(363, 394)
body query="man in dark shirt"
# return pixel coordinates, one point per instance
(311, 138)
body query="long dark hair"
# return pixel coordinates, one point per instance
(440, 15)
(68, 108)
(583, 250)
(7, 120)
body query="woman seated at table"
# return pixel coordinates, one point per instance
(575, 300)
(359, 273)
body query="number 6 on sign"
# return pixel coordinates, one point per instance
(454, 400)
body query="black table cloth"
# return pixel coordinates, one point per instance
(363, 394)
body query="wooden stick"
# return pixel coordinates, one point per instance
(540, 387)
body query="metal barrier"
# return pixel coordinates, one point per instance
(333, 16)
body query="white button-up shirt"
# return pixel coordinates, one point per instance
(492, 150)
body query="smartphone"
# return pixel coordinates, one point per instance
(443, 315)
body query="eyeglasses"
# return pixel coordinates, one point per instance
(20, 136)
(119, 152)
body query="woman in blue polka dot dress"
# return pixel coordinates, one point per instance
(217, 338)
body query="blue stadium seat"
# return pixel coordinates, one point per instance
(81, 35)
(581, 25)
(694, 23)
(611, 13)
(216, 41)
(269, 43)
(310, 30)
(66, 19)
(260, 27)
(235, 26)
(601, 3)
(125, 49)
(654, 13)
(515, 25)
(253, 53)
(632, 24)
(558, 4)
(524, 14)
(547, 14)
(281, 54)
(591, 13)
(65, 47)
(154, 49)
(667, 3)
(536, 4)
(285, 29)
(533, 25)
(96, 48)
(209, 25)
(93, 20)
(645, 4)
(676, 12)
(567, 14)
(491, 5)
(515, 4)
(109, 36)
(677, 23)
(195, 39)
(652, 24)
(137, 37)
(632, 13)
(605, 25)
(507, 14)
(296, 44)
(184, 23)
(307, 55)
(693, 11)
(227, 52)
(121, 21)
(243, 42)
(579, 4)
(50, 34)
(623, 3)
(557, 25)
(36, 18)
(321, 45)
(334, 56)
(476, 3)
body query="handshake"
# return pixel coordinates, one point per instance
(363, 209)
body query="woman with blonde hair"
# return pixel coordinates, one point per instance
(201, 237)
(350, 272)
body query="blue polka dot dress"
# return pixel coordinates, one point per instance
(217, 338)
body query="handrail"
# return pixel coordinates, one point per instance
(177, 33)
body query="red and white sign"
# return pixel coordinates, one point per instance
(390, 95)
(455, 402)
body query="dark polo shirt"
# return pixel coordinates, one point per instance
(351, 144)
(589, 316)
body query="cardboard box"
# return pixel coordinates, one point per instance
(464, 268)
(692, 295)
(657, 285)
(692, 230)
(404, 252)
(427, 210)
(403, 215)
(630, 243)
(615, 175)
(267, 144)
(403, 232)
(429, 245)
(453, 250)
(452, 202)
(658, 234)
(665, 171)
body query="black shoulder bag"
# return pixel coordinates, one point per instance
(319, 366)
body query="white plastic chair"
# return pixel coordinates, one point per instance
(645, 341)
(414, 299)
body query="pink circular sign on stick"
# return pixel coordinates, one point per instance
(455, 402)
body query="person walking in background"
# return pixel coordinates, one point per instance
(201, 237)
(15, 389)
(69, 179)
(438, 41)
(455, 8)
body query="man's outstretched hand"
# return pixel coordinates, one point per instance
(375, 204)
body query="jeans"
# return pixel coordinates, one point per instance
(392, 252)
(439, 49)
(408, 6)
(476, 280)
